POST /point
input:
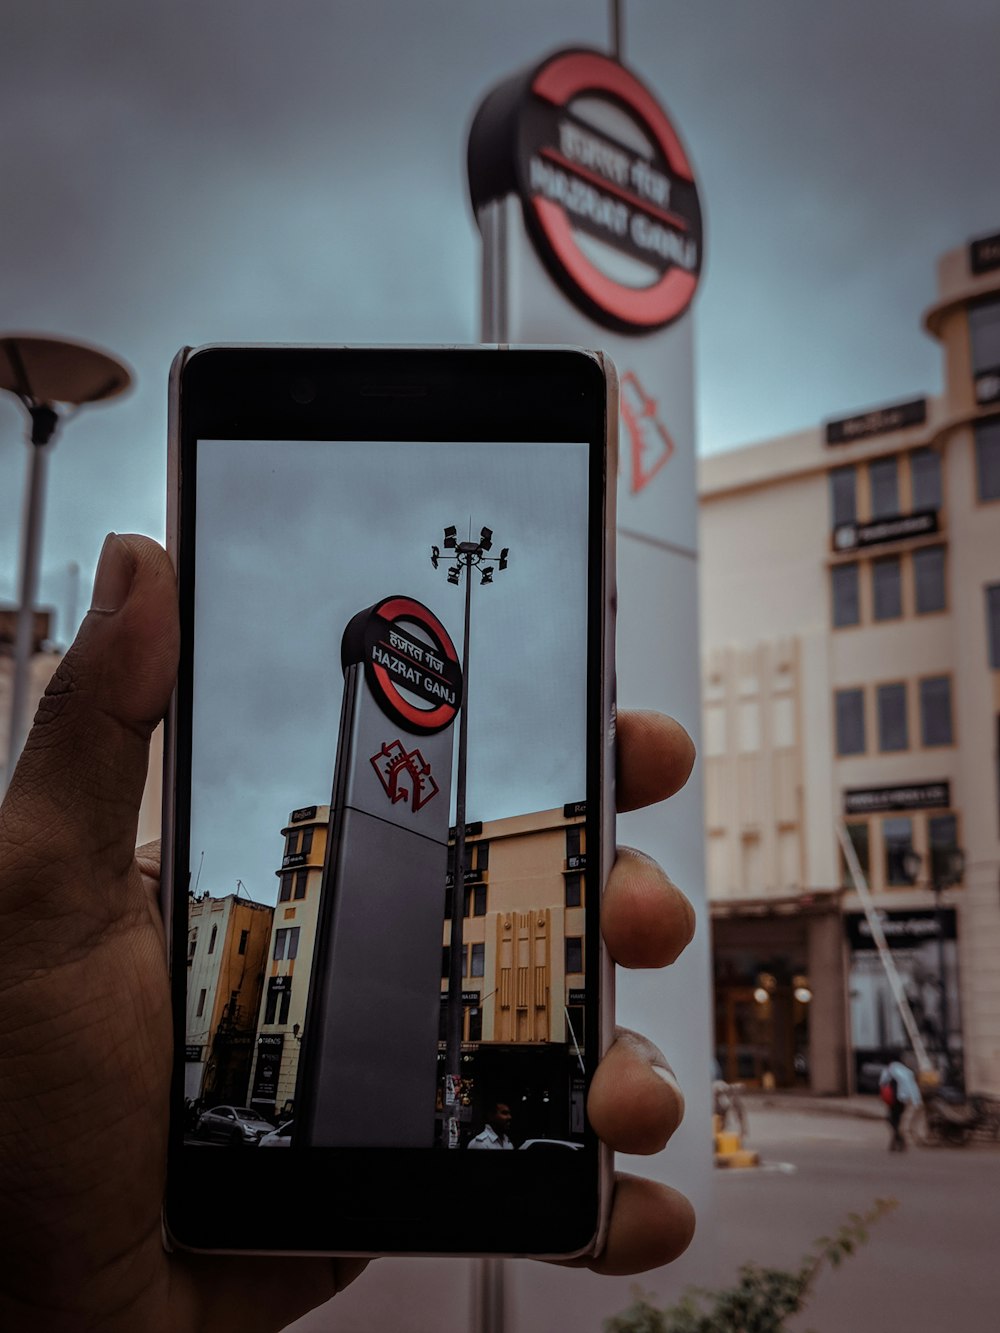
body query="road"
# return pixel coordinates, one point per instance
(931, 1264)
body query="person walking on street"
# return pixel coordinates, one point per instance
(495, 1133)
(898, 1089)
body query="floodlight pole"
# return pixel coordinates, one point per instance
(453, 1056)
(469, 557)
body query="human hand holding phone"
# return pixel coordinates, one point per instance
(85, 1031)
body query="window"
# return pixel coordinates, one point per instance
(925, 479)
(883, 477)
(475, 1028)
(988, 459)
(984, 334)
(574, 953)
(928, 579)
(286, 943)
(478, 960)
(244, 936)
(942, 836)
(212, 938)
(993, 624)
(475, 900)
(285, 892)
(276, 1008)
(897, 834)
(292, 843)
(192, 944)
(574, 890)
(201, 1004)
(843, 495)
(445, 962)
(307, 841)
(481, 855)
(935, 711)
(846, 607)
(301, 883)
(887, 588)
(443, 1019)
(574, 840)
(850, 709)
(892, 729)
(858, 834)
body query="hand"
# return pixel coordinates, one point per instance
(85, 1027)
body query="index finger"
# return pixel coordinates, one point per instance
(655, 758)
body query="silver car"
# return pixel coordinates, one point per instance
(236, 1124)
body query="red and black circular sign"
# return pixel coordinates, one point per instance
(608, 193)
(410, 663)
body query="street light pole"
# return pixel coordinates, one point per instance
(469, 556)
(47, 376)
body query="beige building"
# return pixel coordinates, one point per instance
(851, 649)
(281, 1018)
(226, 951)
(524, 984)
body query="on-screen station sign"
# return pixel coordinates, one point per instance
(607, 190)
(412, 670)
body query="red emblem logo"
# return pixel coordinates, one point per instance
(652, 446)
(405, 775)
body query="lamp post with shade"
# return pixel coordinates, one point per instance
(52, 379)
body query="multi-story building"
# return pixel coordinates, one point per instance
(523, 970)
(524, 983)
(851, 647)
(282, 1015)
(227, 947)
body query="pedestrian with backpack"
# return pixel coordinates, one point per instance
(898, 1089)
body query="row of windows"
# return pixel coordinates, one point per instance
(892, 722)
(914, 580)
(276, 1005)
(292, 884)
(299, 840)
(286, 943)
(474, 958)
(477, 896)
(472, 1023)
(922, 472)
(193, 941)
(896, 833)
(984, 335)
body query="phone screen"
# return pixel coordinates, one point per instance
(388, 636)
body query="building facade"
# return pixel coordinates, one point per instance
(851, 649)
(282, 1014)
(227, 946)
(524, 982)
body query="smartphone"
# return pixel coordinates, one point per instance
(389, 797)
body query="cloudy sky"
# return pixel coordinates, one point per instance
(244, 170)
(353, 524)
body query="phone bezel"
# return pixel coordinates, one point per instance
(393, 1200)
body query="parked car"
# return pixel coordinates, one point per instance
(235, 1124)
(278, 1138)
(542, 1145)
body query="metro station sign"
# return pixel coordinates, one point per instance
(608, 193)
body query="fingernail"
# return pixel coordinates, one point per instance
(668, 1077)
(114, 576)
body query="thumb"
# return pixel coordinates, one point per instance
(76, 792)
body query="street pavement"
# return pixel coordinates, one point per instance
(932, 1264)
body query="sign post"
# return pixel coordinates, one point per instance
(591, 227)
(371, 1026)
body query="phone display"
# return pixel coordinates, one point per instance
(388, 799)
